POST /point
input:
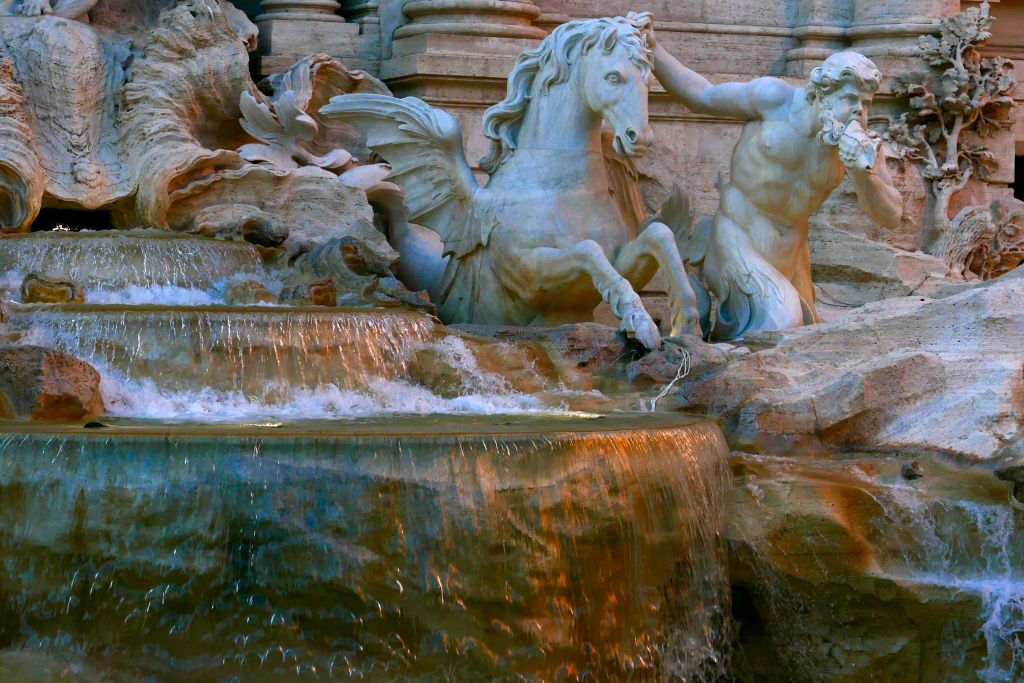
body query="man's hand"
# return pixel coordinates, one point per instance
(34, 8)
(857, 149)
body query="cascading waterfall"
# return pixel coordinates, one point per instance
(116, 261)
(455, 548)
(221, 522)
(945, 553)
(225, 363)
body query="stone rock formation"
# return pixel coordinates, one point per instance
(39, 289)
(41, 384)
(850, 270)
(914, 375)
(168, 142)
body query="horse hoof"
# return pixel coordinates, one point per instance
(641, 327)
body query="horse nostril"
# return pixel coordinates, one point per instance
(632, 135)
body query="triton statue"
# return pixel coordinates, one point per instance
(544, 241)
(795, 149)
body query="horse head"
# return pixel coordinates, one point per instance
(613, 78)
(607, 62)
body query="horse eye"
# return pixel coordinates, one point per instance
(614, 78)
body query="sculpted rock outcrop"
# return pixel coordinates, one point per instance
(42, 384)
(850, 270)
(912, 374)
(171, 142)
(844, 571)
(544, 241)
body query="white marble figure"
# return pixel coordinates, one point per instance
(68, 9)
(795, 149)
(544, 241)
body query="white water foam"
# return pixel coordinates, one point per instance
(482, 394)
(144, 399)
(992, 573)
(153, 295)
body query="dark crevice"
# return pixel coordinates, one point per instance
(1018, 178)
(72, 219)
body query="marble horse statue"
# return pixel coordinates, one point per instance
(543, 242)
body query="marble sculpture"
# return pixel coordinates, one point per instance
(543, 242)
(796, 147)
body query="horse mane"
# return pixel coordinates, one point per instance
(554, 58)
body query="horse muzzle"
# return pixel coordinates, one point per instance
(634, 144)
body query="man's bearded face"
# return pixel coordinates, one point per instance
(840, 108)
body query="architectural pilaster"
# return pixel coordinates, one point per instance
(821, 30)
(460, 49)
(291, 30)
(887, 32)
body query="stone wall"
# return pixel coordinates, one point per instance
(457, 53)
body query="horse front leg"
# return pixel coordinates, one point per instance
(638, 261)
(541, 276)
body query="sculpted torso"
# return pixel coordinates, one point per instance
(780, 176)
(796, 147)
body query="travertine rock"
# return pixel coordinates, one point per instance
(241, 221)
(844, 571)
(320, 292)
(310, 201)
(248, 292)
(850, 270)
(21, 188)
(913, 374)
(39, 289)
(42, 384)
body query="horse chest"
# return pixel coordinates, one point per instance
(568, 221)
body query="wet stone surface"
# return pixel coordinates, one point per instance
(147, 553)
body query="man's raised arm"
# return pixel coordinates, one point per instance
(736, 100)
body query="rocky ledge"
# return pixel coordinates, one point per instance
(914, 375)
(41, 384)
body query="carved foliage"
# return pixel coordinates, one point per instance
(962, 92)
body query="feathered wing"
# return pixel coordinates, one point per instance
(428, 161)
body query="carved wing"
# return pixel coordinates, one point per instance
(424, 147)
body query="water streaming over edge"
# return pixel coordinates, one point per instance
(946, 552)
(382, 556)
(115, 260)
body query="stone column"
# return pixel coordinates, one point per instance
(821, 29)
(485, 18)
(887, 32)
(458, 54)
(291, 30)
(300, 10)
(361, 11)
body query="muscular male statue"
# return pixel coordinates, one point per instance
(795, 149)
